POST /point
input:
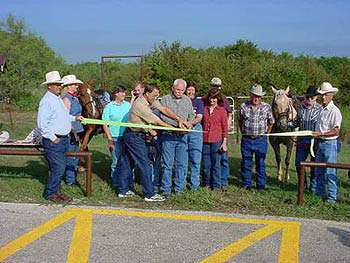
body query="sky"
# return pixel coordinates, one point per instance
(84, 30)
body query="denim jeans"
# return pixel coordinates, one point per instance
(225, 168)
(174, 149)
(249, 148)
(211, 164)
(72, 162)
(115, 154)
(155, 155)
(326, 152)
(137, 150)
(194, 156)
(301, 154)
(122, 176)
(54, 154)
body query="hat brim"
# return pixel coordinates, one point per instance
(258, 94)
(77, 81)
(333, 90)
(311, 94)
(51, 82)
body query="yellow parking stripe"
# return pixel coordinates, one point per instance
(81, 239)
(289, 248)
(80, 245)
(238, 246)
(24, 240)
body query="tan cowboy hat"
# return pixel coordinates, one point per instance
(52, 77)
(70, 79)
(257, 90)
(327, 87)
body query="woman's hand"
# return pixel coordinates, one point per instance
(223, 147)
(111, 144)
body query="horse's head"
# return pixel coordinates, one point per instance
(283, 109)
(87, 101)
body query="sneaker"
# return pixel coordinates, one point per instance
(155, 198)
(127, 194)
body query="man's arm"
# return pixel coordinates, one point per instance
(169, 113)
(331, 133)
(197, 119)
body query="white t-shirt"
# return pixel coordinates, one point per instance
(330, 117)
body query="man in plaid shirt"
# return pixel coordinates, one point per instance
(255, 120)
(308, 115)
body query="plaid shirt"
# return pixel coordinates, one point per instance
(307, 117)
(254, 120)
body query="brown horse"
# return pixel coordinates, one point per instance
(92, 108)
(285, 114)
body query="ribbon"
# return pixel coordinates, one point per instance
(143, 126)
(134, 125)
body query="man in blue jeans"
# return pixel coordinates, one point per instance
(308, 114)
(327, 132)
(255, 120)
(136, 141)
(55, 125)
(174, 144)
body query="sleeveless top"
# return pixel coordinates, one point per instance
(75, 110)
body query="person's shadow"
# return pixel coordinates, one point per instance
(33, 169)
(343, 235)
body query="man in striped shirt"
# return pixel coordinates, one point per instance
(308, 114)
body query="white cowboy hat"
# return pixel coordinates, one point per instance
(52, 77)
(327, 87)
(257, 90)
(70, 79)
(215, 82)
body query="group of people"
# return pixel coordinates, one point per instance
(161, 158)
(167, 161)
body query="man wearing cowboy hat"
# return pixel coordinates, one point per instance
(72, 104)
(307, 117)
(224, 162)
(327, 132)
(54, 122)
(256, 119)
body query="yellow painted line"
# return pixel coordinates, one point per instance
(24, 240)
(219, 219)
(238, 246)
(289, 248)
(80, 245)
(81, 239)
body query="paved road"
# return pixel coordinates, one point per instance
(40, 233)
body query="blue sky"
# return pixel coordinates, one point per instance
(84, 30)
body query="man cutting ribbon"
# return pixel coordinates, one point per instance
(135, 140)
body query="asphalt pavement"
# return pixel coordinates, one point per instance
(50, 233)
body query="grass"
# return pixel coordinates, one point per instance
(22, 179)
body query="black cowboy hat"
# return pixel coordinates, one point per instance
(311, 91)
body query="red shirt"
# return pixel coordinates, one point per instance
(214, 124)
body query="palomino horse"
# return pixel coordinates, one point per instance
(92, 108)
(284, 114)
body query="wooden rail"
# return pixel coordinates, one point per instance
(301, 179)
(37, 152)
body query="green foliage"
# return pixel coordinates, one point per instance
(28, 59)
(239, 65)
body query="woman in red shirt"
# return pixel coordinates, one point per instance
(214, 137)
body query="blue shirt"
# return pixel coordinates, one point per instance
(75, 110)
(116, 112)
(198, 106)
(53, 117)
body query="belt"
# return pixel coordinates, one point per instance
(253, 137)
(61, 136)
(136, 132)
